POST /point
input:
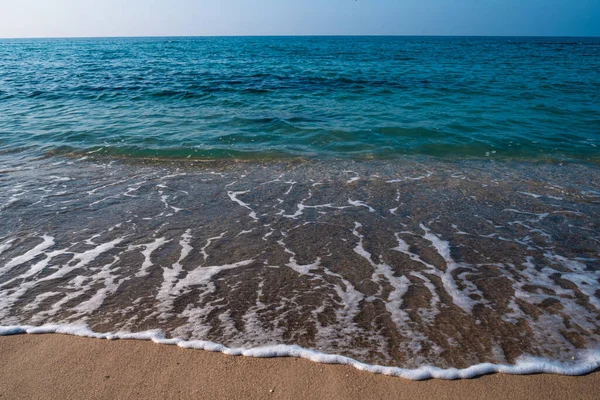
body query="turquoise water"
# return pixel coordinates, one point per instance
(315, 97)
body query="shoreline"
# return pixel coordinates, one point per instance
(341, 260)
(58, 366)
(529, 365)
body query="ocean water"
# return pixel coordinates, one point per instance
(420, 207)
(316, 97)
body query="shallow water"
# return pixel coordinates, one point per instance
(399, 263)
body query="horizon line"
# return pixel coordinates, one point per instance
(293, 35)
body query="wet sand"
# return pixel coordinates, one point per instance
(65, 367)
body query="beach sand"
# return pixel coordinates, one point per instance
(66, 367)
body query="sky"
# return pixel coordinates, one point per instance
(91, 18)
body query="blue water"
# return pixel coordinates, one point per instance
(315, 97)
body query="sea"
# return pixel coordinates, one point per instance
(425, 207)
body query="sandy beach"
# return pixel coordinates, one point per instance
(65, 367)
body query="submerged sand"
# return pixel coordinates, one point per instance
(397, 263)
(66, 367)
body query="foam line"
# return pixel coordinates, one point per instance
(149, 248)
(48, 241)
(588, 361)
(359, 203)
(170, 275)
(233, 197)
(209, 242)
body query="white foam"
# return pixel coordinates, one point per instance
(411, 178)
(586, 361)
(233, 197)
(429, 314)
(293, 264)
(290, 188)
(58, 179)
(37, 267)
(537, 196)
(111, 284)
(359, 203)
(164, 198)
(47, 242)
(196, 314)
(174, 175)
(585, 280)
(9, 297)
(459, 297)
(170, 275)
(540, 216)
(149, 248)
(395, 298)
(209, 242)
(202, 275)
(302, 206)
(81, 260)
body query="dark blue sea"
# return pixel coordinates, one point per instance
(315, 97)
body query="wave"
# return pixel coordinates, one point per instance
(587, 361)
(336, 145)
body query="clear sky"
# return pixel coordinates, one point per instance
(64, 18)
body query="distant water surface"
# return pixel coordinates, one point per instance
(316, 97)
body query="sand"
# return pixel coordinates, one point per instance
(66, 367)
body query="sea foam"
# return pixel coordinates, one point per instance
(586, 362)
